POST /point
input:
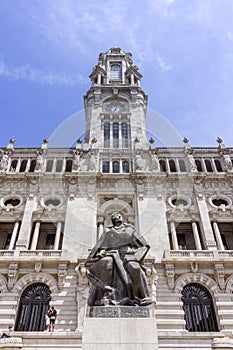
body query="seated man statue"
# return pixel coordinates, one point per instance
(114, 267)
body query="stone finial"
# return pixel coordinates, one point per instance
(151, 140)
(186, 143)
(45, 143)
(11, 143)
(79, 143)
(220, 143)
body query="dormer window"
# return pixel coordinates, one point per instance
(115, 72)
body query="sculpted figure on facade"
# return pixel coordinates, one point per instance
(227, 162)
(4, 161)
(77, 161)
(40, 161)
(115, 267)
(88, 162)
(154, 161)
(139, 162)
(192, 163)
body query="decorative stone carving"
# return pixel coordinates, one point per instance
(143, 161)
(5, 160)
(228, 166)
(88, 161)
(194, 266)
(11, 144)
(152, 279)
(82, 293)
(119, 252)
(192, 164)
(227, 343)
(12, 275)
(154, 166)
(62, 272)
(220, 275)
(40, 161)
(38, 267)
(170, 273)
(77, 161)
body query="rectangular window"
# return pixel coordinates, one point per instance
(6, 230)
(124, 133)
(46, 238)
(185, 236)
(105, 168)
(106, 135)
(115, 133)
(226, 231)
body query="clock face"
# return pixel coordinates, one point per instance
(115, 108)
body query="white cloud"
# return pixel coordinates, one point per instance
(29, 73)
(163, 64)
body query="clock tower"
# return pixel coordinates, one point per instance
(115, 109)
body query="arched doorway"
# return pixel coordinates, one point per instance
(199, 309)
(34, 304)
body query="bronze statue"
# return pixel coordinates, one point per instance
(114, 267)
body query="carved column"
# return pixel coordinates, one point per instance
(35, 236)
(99, 79)
(82, 294)
(174, 237)
(220, 275)
(170, 273)
(14, 235)
(12, 275)
(207, 232)
(196, 236)
(58, 235)
(25, 229)
(218, 236)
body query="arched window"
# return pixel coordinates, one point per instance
(162, 165)
(14, 165)
(59, 165)
(69, 164)
(125, 137)
(115, 73)
(115, 167)
(199, 309)
(32, 165)
(49, 166)
(125, 166)
(34, 304)
(23, 166)
(208, 165)
(172, 166)
(182, 165)
(106, 134)
(199, 165)
(105, 168)
(218, 165)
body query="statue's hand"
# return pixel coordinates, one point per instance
(101, 253)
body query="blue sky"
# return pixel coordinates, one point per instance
(184, 49)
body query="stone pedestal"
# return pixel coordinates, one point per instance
(114, 332)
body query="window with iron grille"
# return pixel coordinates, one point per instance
(33, 306)
(198, 309)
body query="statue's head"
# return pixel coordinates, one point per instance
(116, 217)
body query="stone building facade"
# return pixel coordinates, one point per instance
(55, 203)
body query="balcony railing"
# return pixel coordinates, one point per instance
(202, 254)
